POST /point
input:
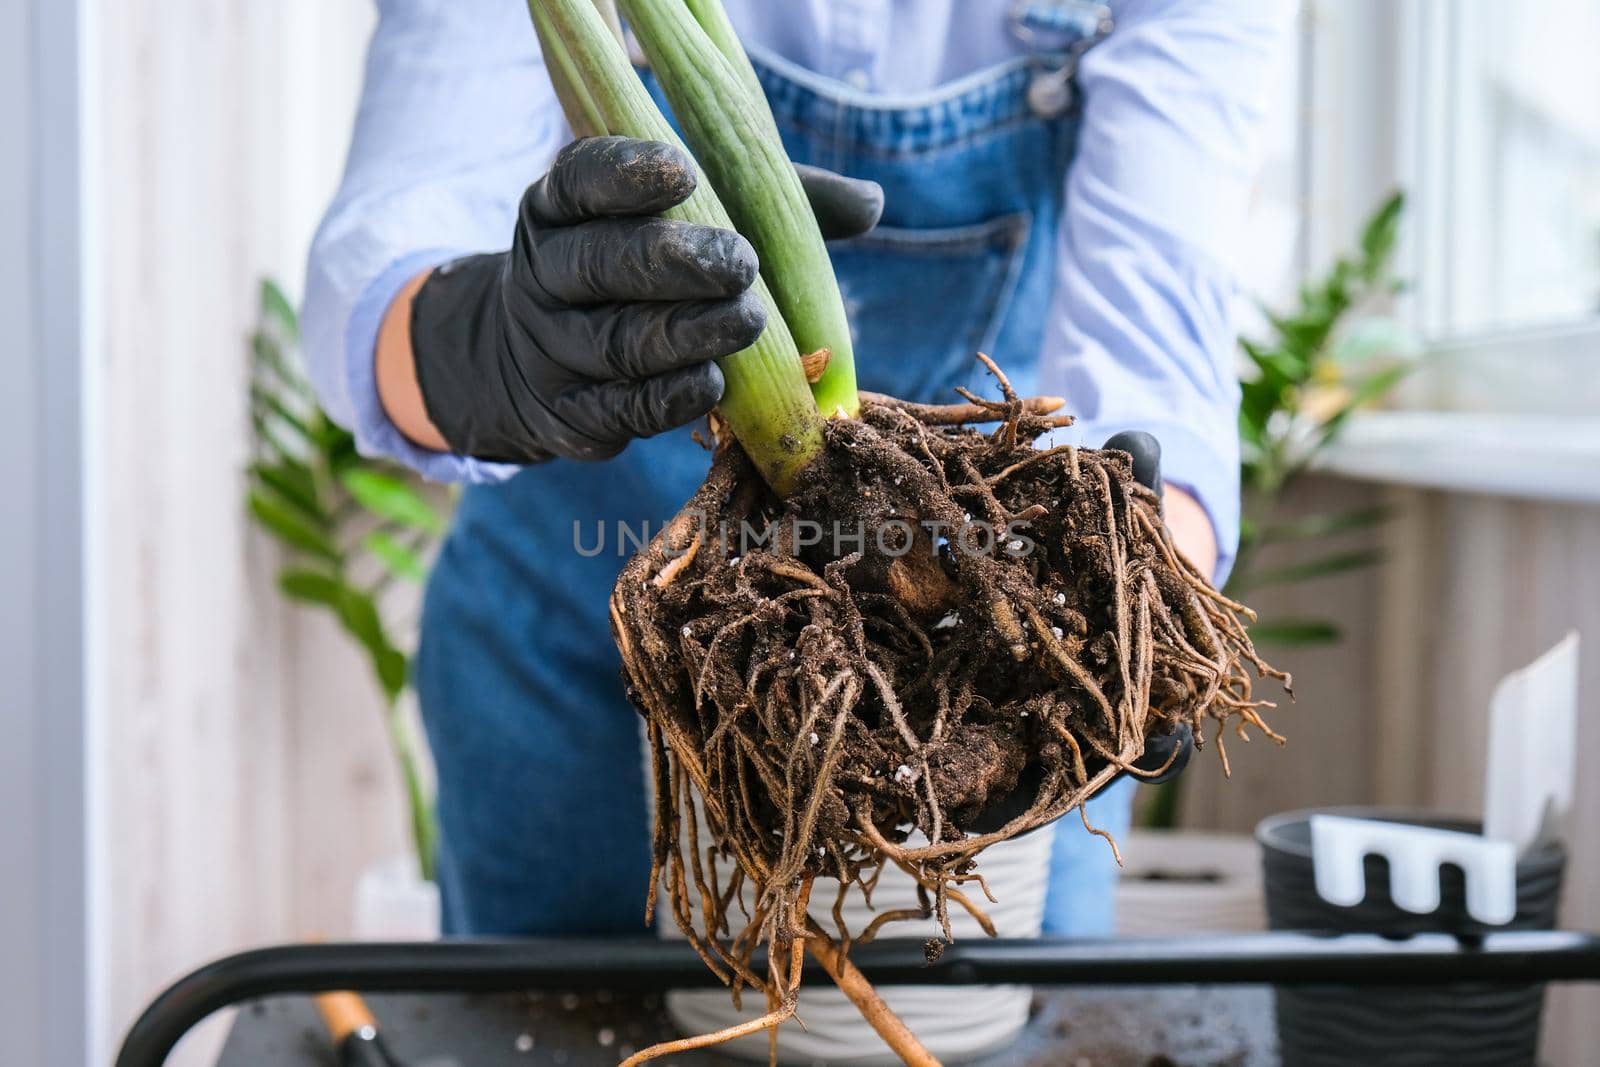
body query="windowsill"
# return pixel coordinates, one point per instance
(1540, 457)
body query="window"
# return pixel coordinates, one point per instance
(1502, 146)
(1488, 114)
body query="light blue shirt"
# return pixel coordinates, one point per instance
(457, 117)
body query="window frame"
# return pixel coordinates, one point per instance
(1432, 35)
(48, 976)
(1373, 121)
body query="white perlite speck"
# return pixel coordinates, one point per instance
(813, 737)
(1059, 600)
(948, 621)
(904, 773)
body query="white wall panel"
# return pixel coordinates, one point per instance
(228, 757)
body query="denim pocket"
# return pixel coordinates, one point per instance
(922, 301)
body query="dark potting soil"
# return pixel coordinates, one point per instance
(846, 679)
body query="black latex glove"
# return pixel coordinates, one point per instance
(1159, 749)
(601, 322)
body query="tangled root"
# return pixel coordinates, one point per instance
(935, 611)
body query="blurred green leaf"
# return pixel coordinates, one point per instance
(293, 483)
(393, 668)
(285, 522)
(1368, 391)
(273, 369)
(300, 454)
(339, 449)
(359, 613)
(1382, 233)
(267, 439)
(332, 439)
(391, 498)
(1295, 632)
(1257, 402)
(1304, 335)
(1318, 568)
(1278, 368)
(268, 354)
(277, 308)
(311, 587)
(1322, 525)
(399, 559)
(273, 405)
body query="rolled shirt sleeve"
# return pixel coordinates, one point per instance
(1140, 334)
(457, 117)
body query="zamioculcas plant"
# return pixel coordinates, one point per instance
(350, 527)
(1321, 362)
(994, 620)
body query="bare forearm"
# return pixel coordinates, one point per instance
(397, 372)
(1191, 529)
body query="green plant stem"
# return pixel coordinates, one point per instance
(719, 102)
(582, 114)
(766, 402)
(424, 823)
(713, 19)
(613, 21)
(329, 487)
(1164, 806)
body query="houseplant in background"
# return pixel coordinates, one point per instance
(1333, 354)
(351, 527)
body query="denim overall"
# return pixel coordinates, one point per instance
(541, 791)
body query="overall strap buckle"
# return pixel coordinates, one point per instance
(1058, 33)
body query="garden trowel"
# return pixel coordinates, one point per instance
(355, 1035)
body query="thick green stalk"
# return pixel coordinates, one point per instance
(582, 114)
(713, 18)
(766, 403)
(608, 11)
(728, 124)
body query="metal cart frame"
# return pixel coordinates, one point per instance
(646, 964)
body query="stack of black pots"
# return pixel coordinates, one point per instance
(1461, 1024)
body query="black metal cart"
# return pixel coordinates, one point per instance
(640, 966)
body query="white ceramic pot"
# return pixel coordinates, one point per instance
(1182, 882)
(394, 903)
(954, 1023)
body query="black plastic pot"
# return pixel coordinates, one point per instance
(1464, 1024)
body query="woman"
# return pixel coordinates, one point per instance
(1061, 182)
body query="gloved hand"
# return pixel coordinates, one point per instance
(1167, 752)
(601, 322)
